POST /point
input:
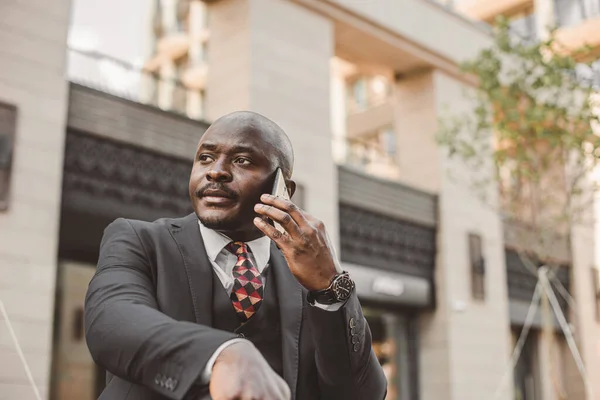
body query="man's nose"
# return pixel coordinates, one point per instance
(219, 173)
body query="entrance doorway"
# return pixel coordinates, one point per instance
(525, 373)
(394, 344)
(75, 376)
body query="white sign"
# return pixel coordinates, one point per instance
(388, 286)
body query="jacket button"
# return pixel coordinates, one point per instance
(352, 322)
(353, 331)
(354, 339)
(356, 347)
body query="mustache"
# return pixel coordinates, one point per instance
(217, 186)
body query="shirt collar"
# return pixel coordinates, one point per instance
(215, 242)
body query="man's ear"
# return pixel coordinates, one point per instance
(291, 187)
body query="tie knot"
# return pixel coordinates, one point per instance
(238, 248)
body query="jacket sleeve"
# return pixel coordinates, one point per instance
(126, 332)
(346, 363)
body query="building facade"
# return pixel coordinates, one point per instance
(33, 98)
(577, 24)
(358, 87)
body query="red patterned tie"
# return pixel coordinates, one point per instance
(247, 293)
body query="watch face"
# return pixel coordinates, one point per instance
(342, 287)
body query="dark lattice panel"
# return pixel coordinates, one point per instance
(521, 282)
(383, 242)
(113, 179)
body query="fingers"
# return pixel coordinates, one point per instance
(283, 218)
(288, 207)
(269, 230)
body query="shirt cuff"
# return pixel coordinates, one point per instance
(329, 307)
(206, 374)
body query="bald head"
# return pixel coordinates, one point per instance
(277, 144)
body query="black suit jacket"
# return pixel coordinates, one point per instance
(148, 316)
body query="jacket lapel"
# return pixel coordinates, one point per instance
(290, 294)
(186, 233)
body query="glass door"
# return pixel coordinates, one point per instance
(390, 344)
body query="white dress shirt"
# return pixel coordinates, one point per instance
(223, 261)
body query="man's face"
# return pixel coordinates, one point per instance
(232, 168)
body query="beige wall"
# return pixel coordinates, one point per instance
(465, 344)
(32, 76)
(277, 62)
(481, 333)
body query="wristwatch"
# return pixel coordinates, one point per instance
(339, 290)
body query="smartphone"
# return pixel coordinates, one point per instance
(279, 190)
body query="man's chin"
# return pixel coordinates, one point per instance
(219, 221)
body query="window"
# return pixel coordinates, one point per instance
(368, 91)
(359, 95)
(596, 287)
(524, 25)
(180, 91)
(571, 12)
(8, 125)
(388, 140)
(477, 267)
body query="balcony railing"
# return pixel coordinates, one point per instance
(368, 156)
(120, 78)
(370, 100)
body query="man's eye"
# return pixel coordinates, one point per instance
(243, 161)
(204, 157)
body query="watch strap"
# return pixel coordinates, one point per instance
(326, 296)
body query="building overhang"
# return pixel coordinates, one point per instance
(487, 10)
(586, 33)
(366, 34)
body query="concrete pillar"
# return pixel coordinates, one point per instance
(546, 364)
(273, 57)
(416, 124)
(338, 111)
(587, 328)
(32, 77)
(545, 17)
(465, 343)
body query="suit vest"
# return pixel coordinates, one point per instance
(263, 329)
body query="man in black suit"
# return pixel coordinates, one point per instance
(220, 302)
